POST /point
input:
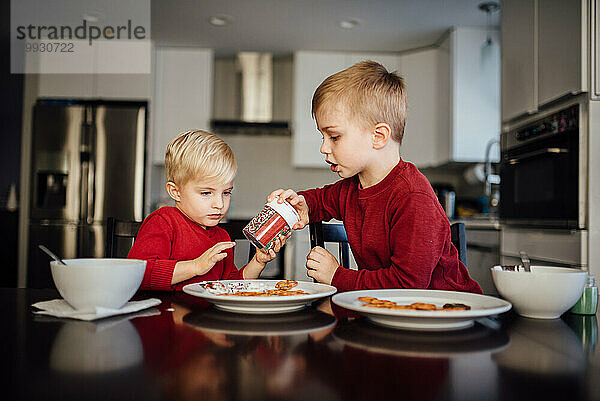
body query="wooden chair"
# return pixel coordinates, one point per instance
(458, 236)
(331, 232)
(120, 235)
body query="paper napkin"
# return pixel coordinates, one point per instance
(60, 308)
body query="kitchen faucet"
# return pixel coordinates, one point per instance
(490, 178)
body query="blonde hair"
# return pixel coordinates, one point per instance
(369, 93)
(201, 155)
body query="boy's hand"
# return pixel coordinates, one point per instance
(263, 256)
(321, 265)
(208, 259)
(297, 201)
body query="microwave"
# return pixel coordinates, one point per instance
(543, 170)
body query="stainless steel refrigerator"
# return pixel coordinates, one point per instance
(87, 164)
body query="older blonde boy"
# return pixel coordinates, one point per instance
(183, 244)
(397, 230)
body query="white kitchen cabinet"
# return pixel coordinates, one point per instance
(80, 86)
(310, 69)
(426, 134)
(562, 49)
(544, 53)
(123, 86)
(474, 95)
(95, 86)
(519, 58)
(453, 99)
(182, 94)
(391, 61)
(595, 50)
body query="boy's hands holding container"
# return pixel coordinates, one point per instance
(321, 265)
(268, 231)
(265, 255)
(296, 201)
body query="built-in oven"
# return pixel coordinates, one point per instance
(543, 169)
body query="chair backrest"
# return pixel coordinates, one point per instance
(459, 239)
(120, 235)
(321, 233)
(234, 229)
(331, 232)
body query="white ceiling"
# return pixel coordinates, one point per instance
(282, 26)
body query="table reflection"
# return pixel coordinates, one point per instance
(546, 360)
(542, 346)
(301, 322)
(362, 334)
(97, 347)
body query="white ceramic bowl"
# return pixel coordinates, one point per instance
(544, 293)
(90, 283)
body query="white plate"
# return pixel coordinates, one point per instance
(300, 322)
(481, 305)
(260, 305)
(360, 333)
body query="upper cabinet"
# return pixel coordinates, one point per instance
(95, 86)
(595, 48)
(426, 134)
(519, 58)
(453, 99)
(182, 94)
(544, 53)
(474, 94)
(562, 49)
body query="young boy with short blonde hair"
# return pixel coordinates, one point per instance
(183, 244)
(397, 229)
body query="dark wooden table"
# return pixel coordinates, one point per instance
(186, 350)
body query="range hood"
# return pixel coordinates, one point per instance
(252, 94)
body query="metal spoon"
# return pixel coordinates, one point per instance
(51, 254)
(525, 262)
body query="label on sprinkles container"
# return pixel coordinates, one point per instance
(273, 220)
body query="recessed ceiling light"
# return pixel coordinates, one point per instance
(219, 20)
(349, 23)
(92, 16)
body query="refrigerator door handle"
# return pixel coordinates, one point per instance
(91, 198)
(87, 167)
(85, 174)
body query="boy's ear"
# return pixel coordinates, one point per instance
(173, 191)
(381, 134)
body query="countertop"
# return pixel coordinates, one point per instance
(184, 349)
(480, 222)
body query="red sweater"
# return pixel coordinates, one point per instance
(168, 236)
(397, 230)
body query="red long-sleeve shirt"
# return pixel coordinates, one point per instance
(397, 230)
(166, 237)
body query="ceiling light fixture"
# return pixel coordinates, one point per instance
(219, 20)
(489, 7)
(349, 23)
(92, 16)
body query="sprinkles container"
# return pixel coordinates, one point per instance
(273, 220)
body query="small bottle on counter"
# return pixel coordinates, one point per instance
(588, 303)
